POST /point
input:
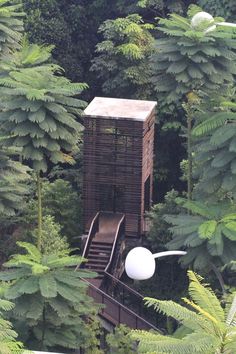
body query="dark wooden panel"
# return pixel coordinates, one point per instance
(118, 157)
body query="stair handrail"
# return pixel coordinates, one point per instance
(104, 295)
(93, 227)
(136, 293)
(120, 230)
(128, 297)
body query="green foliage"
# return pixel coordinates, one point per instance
(189, 58)
(11, 26)
(159, 234)
(60, 201)
(207, 231)
(40, 112)
(52, 241)
(223, 8)
(9, 344)
(122, 61)
(215, 149)
(162, 7)
(51, 301)
(211, 328)
(13, 183)
(120, 342)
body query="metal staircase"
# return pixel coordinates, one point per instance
(104, 253)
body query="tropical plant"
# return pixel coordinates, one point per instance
(13, 183)
(62, 202)
(215, 151)
(223, 8)
(119, 341)
(52, 240)
(39, 114)
(189, 58)
(9, 344)
(207, 232)
(122, 61)
(51, 301)
(11, 26)
(159, 233)
(209, 328)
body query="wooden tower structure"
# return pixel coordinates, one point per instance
(118, 160)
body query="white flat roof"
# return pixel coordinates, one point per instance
(105, 107)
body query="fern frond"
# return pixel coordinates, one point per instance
(204, 297)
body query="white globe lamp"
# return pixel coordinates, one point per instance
(204, 17)
(201, 17)
(140, 262)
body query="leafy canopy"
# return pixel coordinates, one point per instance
(51, 301)
(190, 58)
(122, 61)
(13, 183)
(39, 112)
(9, 344)
(207, 231)
(209, 328)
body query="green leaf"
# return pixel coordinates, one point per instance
(231, 225)
(48, 285)
(207, 229)
(29, 285)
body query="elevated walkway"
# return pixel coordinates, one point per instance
(104, 253)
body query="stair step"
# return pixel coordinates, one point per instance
(100, 249)
(96, 269)
(99, 253)
(98, 256)
(101, 244)
(97, 261)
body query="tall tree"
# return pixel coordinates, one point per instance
(189, 58)
(122, 61)
(12, 174)
(51, 301)
(39, 114)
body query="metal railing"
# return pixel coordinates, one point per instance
(115, 312)
(129, 298)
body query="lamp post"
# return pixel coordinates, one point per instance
(140, 262)
(201, 17)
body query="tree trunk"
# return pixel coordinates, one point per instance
(40, 217)
(189, 148)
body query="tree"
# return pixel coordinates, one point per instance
(215, 150)
(209, 328)
(9, 344)
(122, 61)
(60, 201)
(223, 8)
(51, 300)
(207, 231)
(187, 59)
(11, 26)
(39, 113)
(13, 183)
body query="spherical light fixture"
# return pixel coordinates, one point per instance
(204, 17)
(200, 18)
(140, 262)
